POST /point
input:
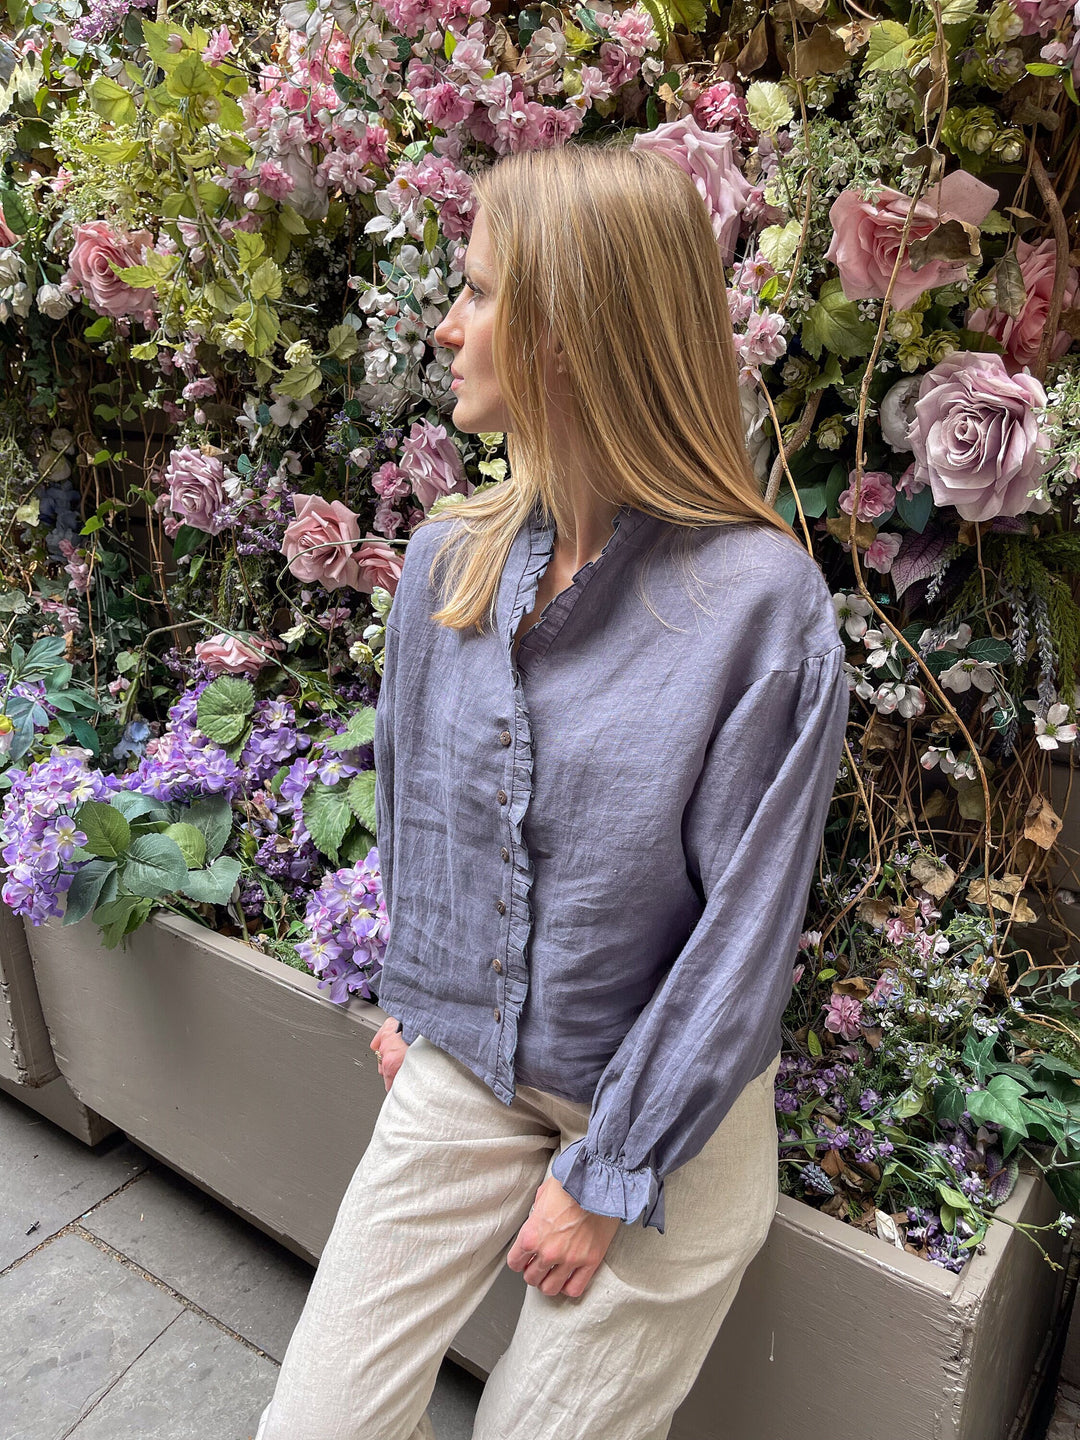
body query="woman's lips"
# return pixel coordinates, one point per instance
(455, 382)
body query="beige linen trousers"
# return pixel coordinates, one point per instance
(425, 1226)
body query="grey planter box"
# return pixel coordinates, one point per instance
(28, 1068)
(236, 1071)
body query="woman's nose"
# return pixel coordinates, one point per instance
(448, 331)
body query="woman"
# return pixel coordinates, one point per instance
(611, 717)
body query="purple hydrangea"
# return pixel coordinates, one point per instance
(349, 929)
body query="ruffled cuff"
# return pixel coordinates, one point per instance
(605, 1188)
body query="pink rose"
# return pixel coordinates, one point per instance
(881, 553)
(224, 655)
(1023, 335)
(876, 495)
(708, 157)
(321, 543)
(432, 462)
(843, 1016)
(196, 489)
(90, 267)
(7, 235)
(379, 564)
(866, 237)
(976, 439)
(1040, 17)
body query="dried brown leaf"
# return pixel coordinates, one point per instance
(854, 985)
(935, 877)
(755, 52)
(840, 526)
(1009, 285)
(1041, 824)
(822, 53)
(873, 912)
(952, 241)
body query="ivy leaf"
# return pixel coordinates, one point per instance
(359, 731)
(361, 798)
(214, 885)
(94, 883)
(120, 917)
(327, 815)
(223, 709)
(214, 818)
(192, 843)
(1000, 1104)
(155, 865)
(833, 324)
(107, 833)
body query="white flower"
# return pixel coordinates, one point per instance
(908, 700)
(289, 411)
(53, 302)
(966, 673)
(11, 266)
(1053, 730)
(897, 412)
(851, 612)
(755, 416)
(880, 648)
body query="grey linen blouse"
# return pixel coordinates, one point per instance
(597, 854)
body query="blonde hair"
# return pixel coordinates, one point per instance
(610, 249)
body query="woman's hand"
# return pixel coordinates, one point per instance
(560, 1246)
(390, 1048)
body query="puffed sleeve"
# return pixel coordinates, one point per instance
(384, 765)
(752, 832)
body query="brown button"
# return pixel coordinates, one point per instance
(505, 738)
(496, 965)
(500, 906)
(505, 853)
(501, 797)
(498, 1015)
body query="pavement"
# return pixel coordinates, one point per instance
(134, 1307)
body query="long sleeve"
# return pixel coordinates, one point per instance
(384, 766)
(751, 833)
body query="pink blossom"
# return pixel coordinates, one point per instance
(976, 438)
(1022, 335)
(884, 987)
(763, 342)
(226, 655)
(708, 157)
(908, 485)
(634, 30)
(199, 389)
(866, 237)
(432, 462)
(321, 543)
(97, 253)
(274, 182)
(843, 1016)
(7, 235)
(723, 106)
(882, 552)
(1041, 17)
(617, 66)
(196, 489)
(220, 45)
(876, 495)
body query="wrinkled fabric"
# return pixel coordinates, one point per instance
(422, 1233)
(597, 853)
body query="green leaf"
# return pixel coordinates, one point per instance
(215, 885)
(107, 833)
(999, 1105)
(833, 324)
(192, 843)
(132, 805)
(190, 77)
(813, 1044)
(908, 1104)
(92, 884)
(119, 917)
(342, 342)
(223, 709)
(359, 731)
(44, 656)
(213, 816)
(358, 841)
(361, 797)
(249, 248)
(327, 815)
(989, 650)
(187, 539)
(111, 101)
(155, 866)
(887, 47)
(266, 280)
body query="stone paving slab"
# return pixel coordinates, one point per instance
(72, 1319)
(195, 1382)
(1065, 1424)
(48, 1178)
(212, 1257)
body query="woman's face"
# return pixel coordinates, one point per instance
(467, 330)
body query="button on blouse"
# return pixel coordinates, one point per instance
(668, 735)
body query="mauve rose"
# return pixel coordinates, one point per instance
(321, 543)
(976, 439)
(866, 236)
(379, 564)
(95, 251)
(708, 157)
(1022, 336)
(225, 655)
(196, 489)
(876, 495)
(1041, 17)
(432, 462)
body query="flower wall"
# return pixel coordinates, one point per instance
(226, 239)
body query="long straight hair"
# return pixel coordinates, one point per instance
(610, 250)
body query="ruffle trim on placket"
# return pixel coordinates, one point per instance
(607, 1189)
